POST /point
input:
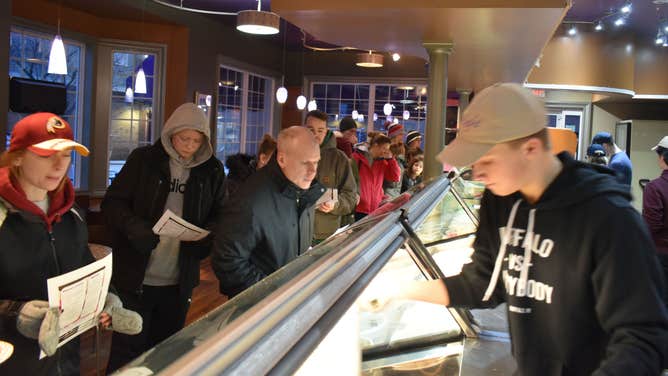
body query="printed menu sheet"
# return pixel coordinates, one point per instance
(173, 226)
(80, 296)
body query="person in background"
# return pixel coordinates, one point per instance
(334, 172)
(155, 275)
(392, 189)
(42, 235)
(265, 151)
(240, 167)
(413, 140)
(374, 166)
(348, 139)
(395, 132)
(619, 161)
(414, 153)
(655, 206)
(559, 242)
(413, 173)
(270, 221)
(596, 155)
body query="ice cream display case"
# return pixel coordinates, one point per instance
(317, 315)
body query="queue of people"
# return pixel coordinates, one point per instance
(269, 210)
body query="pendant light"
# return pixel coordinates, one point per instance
(282, 92)
(387, 109)
(258, 21)
(370, 60)
(406, 114)
(312, 105)
(129, 95)
(140, 81)
(57, 57)
(301, 102)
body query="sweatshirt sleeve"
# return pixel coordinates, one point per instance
(392, 171)
(652, 208)
(237, 237)
(117, 206)
(629, 290)
(467, 288)
(347, 187)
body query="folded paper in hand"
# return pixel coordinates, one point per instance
(331, 194)
(173, 226)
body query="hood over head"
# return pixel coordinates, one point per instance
(188, 116)
(240, 165)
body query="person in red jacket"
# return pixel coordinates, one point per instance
(374, 166)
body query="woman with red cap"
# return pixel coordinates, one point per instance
(42, 235)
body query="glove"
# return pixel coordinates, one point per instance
(123, 320)
(36, 320)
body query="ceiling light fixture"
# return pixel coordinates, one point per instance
(258, 21)
(312, 105)
(370, 60)
(140, 80)
(396, 56)
(572, 31)
(387, 109)
(620, 21)
(282, 92)
(599, 26)
(301, 102)
(406, 114)
(626, 8)
(57, 57)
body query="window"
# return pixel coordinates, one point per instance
(341, 99)
(29, 58)
(131, 115)
(244, 111)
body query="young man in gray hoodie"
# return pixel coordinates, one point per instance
(155, 274)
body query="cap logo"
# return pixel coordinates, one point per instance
(54, 123)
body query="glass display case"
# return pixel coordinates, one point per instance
(290, 322)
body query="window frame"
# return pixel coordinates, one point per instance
(246, 71)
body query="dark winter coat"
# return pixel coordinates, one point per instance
(240, 167)
(33, 248)
(135, 201)
(266, 225)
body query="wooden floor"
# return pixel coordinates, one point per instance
(205, 298)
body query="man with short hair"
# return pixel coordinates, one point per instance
(560, 243)
(348, 139)
(334, 172)
(413, 140)
(619, 161)
(269, 223)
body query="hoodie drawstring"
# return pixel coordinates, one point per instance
(526, 262)
(502, 252)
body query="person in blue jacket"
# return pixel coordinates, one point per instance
(560, 243)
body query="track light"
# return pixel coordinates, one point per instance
(572, 31)
(620, 21)
(599, 26)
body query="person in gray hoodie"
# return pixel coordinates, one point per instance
(155, 275)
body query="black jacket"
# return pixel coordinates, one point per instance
(267, 224)
(590, 301)
(29, 255)
(135, 201)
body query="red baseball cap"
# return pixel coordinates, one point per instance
(44, 134)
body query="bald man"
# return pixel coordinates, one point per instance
(269, 223)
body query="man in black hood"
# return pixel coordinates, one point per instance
(559, 242)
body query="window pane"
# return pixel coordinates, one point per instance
(131, 123)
